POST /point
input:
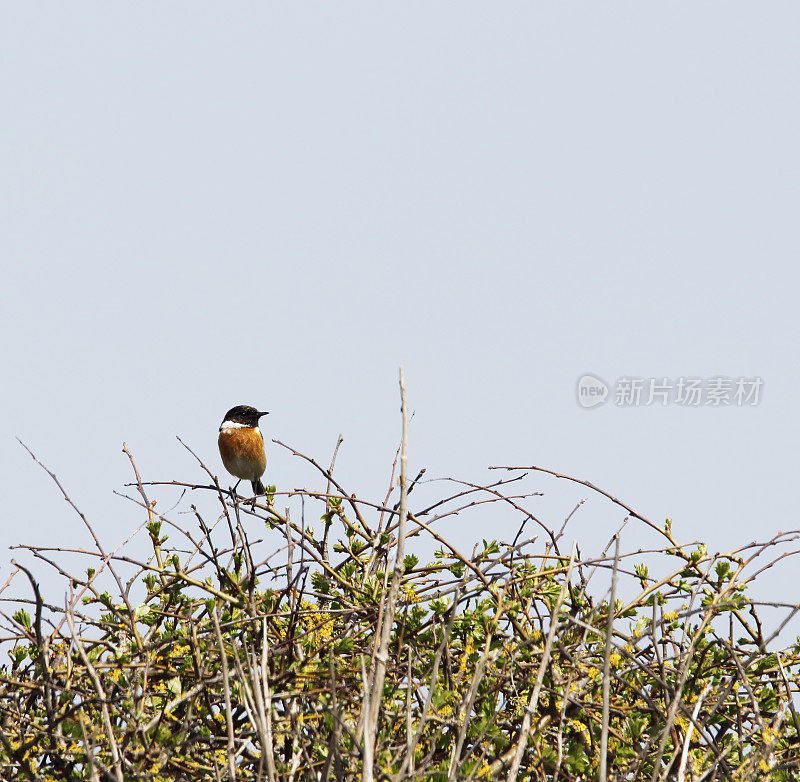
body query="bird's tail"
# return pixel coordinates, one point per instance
(258, 487)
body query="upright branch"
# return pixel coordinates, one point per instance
(382, 656)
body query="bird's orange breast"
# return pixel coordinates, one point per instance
(242, 452)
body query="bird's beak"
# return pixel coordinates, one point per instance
(260, 414)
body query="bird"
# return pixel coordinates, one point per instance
(241, 446)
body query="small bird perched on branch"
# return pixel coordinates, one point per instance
(241, 446)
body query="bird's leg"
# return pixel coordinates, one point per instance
(233, 490)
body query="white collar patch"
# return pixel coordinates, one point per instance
(232, 425)
(227, 426)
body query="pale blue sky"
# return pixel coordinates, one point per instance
(278, 204)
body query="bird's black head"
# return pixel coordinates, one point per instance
(244, 415)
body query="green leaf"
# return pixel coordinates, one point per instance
(154, 528)
(174, 686)
(320, 583)
(457, 569)
(345, 646)
(440, 605)
(23, 618)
